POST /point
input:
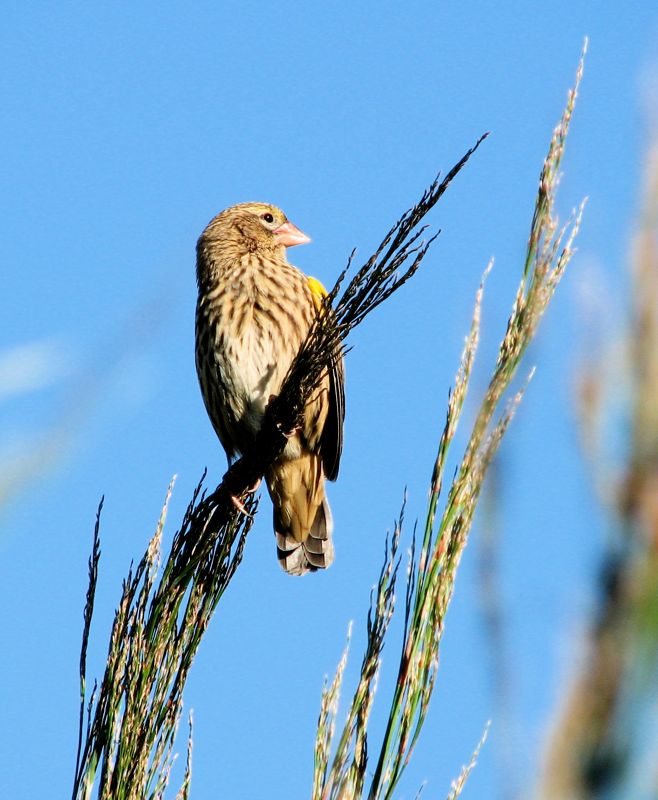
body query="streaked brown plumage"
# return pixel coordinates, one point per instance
(253, 312)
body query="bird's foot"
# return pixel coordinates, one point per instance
(287, 434)
(240, 506)
(254, 488)
(237, 502)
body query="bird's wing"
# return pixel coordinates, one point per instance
(331, 439)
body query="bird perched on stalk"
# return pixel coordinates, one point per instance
(253, 313)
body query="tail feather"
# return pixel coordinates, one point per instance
(315, 552)
(302, 518)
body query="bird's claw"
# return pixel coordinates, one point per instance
(289, 433)
(240, 506)
(237, 502)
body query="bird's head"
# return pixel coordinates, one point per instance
(250, 227)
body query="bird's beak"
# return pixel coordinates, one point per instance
(289, 235)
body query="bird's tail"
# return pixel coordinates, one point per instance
(302, 517)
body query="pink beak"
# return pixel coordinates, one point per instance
(289, 235)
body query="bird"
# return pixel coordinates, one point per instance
(253, 313)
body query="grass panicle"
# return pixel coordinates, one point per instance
(431, 576)
(460, 782)
(133, 717)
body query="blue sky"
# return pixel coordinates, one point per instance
(125, 129)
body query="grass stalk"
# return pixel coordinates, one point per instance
(431, 576)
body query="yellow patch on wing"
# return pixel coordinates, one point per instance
(318, 291)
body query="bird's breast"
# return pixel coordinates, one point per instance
(260, 318)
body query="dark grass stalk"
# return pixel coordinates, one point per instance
(431, 576)
(88, 613)
(126, 747)
(156, 632)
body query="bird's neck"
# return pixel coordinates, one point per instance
(219, 263)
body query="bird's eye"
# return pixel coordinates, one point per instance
(267, 217)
